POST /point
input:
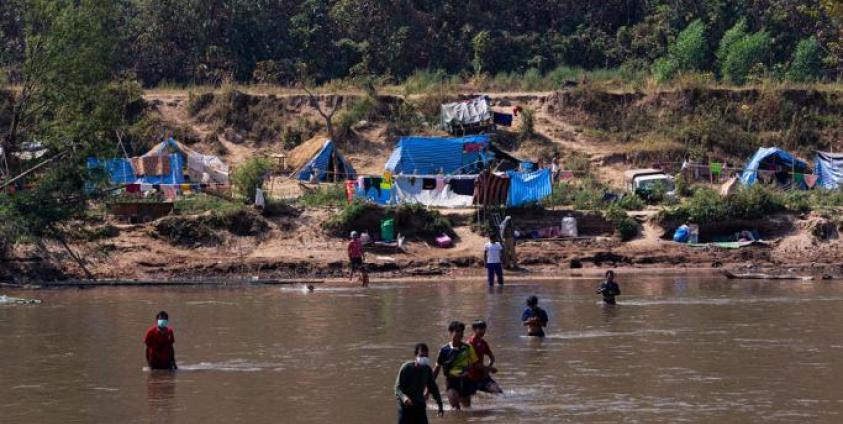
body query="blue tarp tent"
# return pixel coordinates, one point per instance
(119, 171)
(829, 168)
(176, 175)
(430, 155)
(529, 187)
(772, 159)
(323, 161)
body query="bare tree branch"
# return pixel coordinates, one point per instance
(328, 116)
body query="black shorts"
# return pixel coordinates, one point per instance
(356, 263)
(462, 385)
(483, 385)
(416, 414)
(536, 334)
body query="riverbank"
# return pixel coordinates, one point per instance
(135, 255)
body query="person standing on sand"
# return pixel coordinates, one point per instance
(410, 385)
(609, 289)
(456, 359)
(492, 255)
(480, 375)
(534, 318)
(355, 253)
(159, 340)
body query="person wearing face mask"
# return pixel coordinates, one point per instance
(413, 379)
(159, 340)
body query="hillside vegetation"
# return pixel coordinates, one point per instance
(190, 42)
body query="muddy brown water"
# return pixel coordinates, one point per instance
(675, 350)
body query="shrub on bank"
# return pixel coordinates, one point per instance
(625, 226)
(412, 221)
(707, 206)
(249, 177)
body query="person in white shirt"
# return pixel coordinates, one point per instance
(492, 257)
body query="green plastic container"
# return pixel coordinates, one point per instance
(388, 229)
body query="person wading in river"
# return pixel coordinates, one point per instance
(410, 385)
(609, 289)
(456, 358)
(534, 318)
(355, 253)
(479, 375)
(492, 255)
(159, 340)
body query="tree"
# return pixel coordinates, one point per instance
(69, 104)
(481, 44)
(688, 53)
(744, 55)
(730, 37)
(807, 61)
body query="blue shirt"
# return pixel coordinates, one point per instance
(537, 312)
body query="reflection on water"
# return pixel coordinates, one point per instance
(674, 349)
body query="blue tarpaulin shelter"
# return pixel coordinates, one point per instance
(430, 155)
(529, 187)
(176, 175)
(829, 168)
(324, 162)
(775, 160)
(119, 171)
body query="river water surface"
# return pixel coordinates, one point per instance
(675, 350)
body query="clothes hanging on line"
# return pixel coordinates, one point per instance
(462, 186)
(502, 119)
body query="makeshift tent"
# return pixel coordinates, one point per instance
(527, 188)
(200, 168)
(119, 171)
(322, 156)
(165, 164)
(772, 163)
(467, 117)
(829, 168)
(432, 155)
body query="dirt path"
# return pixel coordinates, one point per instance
(573, 140)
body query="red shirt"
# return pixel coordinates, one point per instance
(355, 249)
(159, 347)
(482, 349)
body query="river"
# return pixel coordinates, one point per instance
(676, 349)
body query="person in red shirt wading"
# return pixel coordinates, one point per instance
(160, 354)
(480, 375)
(355, 254)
